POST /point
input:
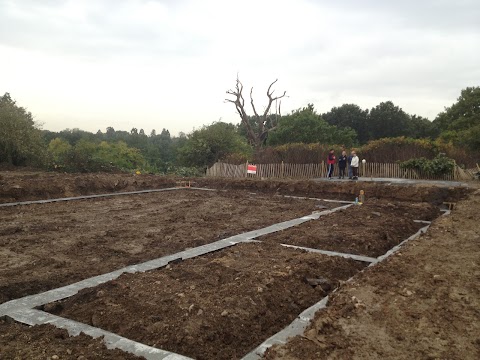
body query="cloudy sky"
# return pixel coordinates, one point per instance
(156, 64)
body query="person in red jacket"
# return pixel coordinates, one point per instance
(331, 163)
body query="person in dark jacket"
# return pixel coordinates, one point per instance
(342, 165)
(350, 170)
(331, 163)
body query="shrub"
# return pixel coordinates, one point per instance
(437, 166)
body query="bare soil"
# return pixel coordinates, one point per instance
(217, 306)
(48, 342)
(422, 303)
(34, 185)
(44, 246)
(370, 229)
(341, 190)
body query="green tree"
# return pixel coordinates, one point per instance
(387, 120)
(159, 151)
(75, 135)
(58, 149)
(420, 127)
(110, 133)
(88, 156)
(21, 140)
(205, 146)
(118, 155)
(308, 127)
(352, 116)
(460, 123)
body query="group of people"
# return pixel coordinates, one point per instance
(343, 160)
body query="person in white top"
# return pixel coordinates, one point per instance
(354, 165)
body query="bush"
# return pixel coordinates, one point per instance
(297, 153)
(388, 150)
(88, 156)
(184, 171)
(439, 165)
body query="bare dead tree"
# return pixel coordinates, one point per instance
(264, 124)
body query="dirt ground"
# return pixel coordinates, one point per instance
(420, 303)
(217, 306)
(423, 303)
(44, 246)
(370, 229)
(34, 185)
(46, 342)
(342, 190)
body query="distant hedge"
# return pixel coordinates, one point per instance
(388, 150)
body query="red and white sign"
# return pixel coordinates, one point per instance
(251, 169)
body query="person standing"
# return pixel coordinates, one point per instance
(330, 163)
(349, 161)
(354, 165)
(342, 164)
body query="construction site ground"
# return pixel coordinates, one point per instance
(422, 302)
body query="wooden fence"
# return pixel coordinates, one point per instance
(309, 171)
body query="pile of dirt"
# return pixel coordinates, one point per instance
(370, 229)
(48, 342)
(218, 306)
(422, 303)
(50, 245)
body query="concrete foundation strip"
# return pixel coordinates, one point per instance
(85, 197)
(334, 253)
(298, 326)
(46, 297)
(397, 247)
(74, 328)
(422, 221)
(21, 309)
(318, 199)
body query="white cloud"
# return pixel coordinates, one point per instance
(154, 64)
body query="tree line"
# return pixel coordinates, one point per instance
(22, 142)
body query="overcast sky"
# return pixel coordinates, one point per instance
(167, 63)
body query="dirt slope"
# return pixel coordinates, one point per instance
(423, 303)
